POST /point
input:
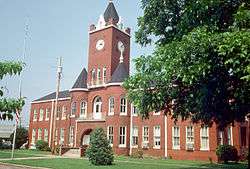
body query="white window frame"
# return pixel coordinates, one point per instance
(110, 112)
(97, 114)
(203, 136)
(34, 115)
(73, 109)
(62, 136)
(59, 111)
(39, 135)
(71, 135)
(134, 111)
(104, 74)
(64, 112)
(56, 137)
(158, 113)
(230, 135)
(83, 109)
(110, 135)
(220, 137)
(176, 136)
(124, 136)
(99, 75)
(157, 137)
(135, 136)
(145, 134)
(46, 135)
(92, 76)
(41, 114)
(47, 113)
(190, 137)
(123, 106)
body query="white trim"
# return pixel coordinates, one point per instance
(157, 113)
(111, 145)
(125, 138)
(75, 133)
(166, 136)
(79, 89)
(176, 147)
(208, 148)
(232, 135)
(44, 101)
(130, 137)
(106, 27)
(111, 113)
(132, 110)
(143, 137)
(186, 130)
(126, 106)
(104, 85)
(154, 135)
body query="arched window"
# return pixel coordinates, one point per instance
(97, 107)
(111, 106)
(123, 106)
(83, 108)
(73, 109)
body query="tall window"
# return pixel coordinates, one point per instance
(122, 134)
(123, 106)
(220, 137)
(111, 135)
(39, 137)
(229, 135)
(47, 114)
(97, 108)
(157, 137)
(134, 110)
(41, 115)
(145, 137)
(64, 112)
(176, 137)
(83, 107)
(190, 137)
(59, 110)
(111, 106)
(73, 109)
(135, 136)
(71, 134)
(204, 138)
(33, 140)
(98, 75)
(35, 115)
(46, 135)
(104, 75)
(62, 136)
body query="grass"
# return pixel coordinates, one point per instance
(22, 153)
(124, 163)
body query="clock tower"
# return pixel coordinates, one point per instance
(109, 47)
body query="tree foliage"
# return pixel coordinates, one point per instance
(200, 67)
(21, 137)
(8, 106)
(99, 152)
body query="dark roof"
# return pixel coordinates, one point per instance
(62, 94)
(120, 74)
(111, 12)
(81, 81)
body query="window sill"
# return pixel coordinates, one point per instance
(46, 119)
(135, 146)
(34, 120)
(57, 118)
(123, 114)
(122, 146)
(72, 116)
(40, 120)
(63, 118)
(111, 145)
(204, 149)
(157, 147)
(111, 114)
(176, 148)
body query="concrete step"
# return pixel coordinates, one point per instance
(72, 153)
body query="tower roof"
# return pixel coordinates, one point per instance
(111, 13)
(120, 74)
(81, 81)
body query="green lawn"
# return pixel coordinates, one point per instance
(22, 153)
(124, 163)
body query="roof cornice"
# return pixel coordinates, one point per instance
(109, 26)
(51, 100)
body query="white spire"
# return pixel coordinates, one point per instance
(101, 22)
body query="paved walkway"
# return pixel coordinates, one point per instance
(14, 166)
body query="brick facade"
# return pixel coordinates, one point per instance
(79, 123)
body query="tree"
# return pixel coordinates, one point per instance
(200, 67)
(8, 106)
(21, 137)
(99, 152)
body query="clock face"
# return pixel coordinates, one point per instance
(121, 46)
(100, 44)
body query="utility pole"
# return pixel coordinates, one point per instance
(59, 75)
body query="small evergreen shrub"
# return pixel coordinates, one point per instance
(227, 153)
(99, 152)
(138, 153)
(42, 145)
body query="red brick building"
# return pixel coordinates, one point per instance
(97, 99)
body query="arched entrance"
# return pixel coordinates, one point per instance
(85, 138)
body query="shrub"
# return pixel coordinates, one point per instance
(21, 137)
(227, 153)
(99, 151)
(138, 153)
(42, 145)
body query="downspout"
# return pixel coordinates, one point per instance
(131, 127)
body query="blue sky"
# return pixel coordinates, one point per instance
(56, 28)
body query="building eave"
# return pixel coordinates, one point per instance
(44, 101)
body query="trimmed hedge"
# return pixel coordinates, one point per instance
(227, 153)
(42, 145)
